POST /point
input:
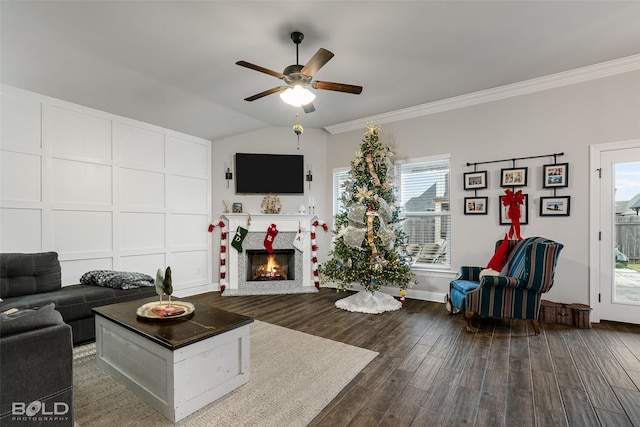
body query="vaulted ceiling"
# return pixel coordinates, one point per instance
(172, 63)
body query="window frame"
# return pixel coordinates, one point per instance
(336, 190)
(398, 165)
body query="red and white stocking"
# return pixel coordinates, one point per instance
(272, 232)
(300, 240)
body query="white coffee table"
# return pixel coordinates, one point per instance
(177, 366)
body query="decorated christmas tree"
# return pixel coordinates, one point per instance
(368, 241)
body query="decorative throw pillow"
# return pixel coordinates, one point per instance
(489, 272)
(116, 279)
(29, 319)
(499, 258)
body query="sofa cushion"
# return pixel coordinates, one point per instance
(76, 301)
(116, 279)
(29, 319)
(26, 274)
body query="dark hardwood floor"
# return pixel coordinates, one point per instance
(430, 372)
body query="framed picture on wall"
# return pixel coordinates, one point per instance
(555, 206)
(556, 175)
(475, 205)
(513, 177)
(524, 211)
(475, 180)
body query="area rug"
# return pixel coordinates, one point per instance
(293, 377)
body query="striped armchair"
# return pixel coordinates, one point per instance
(529, 273)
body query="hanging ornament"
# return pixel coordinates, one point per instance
(297, 129)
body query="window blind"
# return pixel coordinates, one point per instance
(422, 187)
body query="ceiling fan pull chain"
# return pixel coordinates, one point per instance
(297, 129)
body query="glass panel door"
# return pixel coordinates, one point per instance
(620, 241)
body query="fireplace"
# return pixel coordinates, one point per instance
(279, 265)
(294, 274)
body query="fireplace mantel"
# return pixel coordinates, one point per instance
(287, 225)
(260, 221)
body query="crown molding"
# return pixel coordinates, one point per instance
(565, 78)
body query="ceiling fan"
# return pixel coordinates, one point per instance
(297, 77)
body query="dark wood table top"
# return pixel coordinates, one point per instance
(205, 322)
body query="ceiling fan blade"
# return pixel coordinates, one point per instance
(261, 69)
(317, 61)
(309, 108)
(338, 87)
(266, 92)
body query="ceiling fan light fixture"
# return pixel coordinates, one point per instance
(297, 96)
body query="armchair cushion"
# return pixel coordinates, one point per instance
(464, 286)
(26, 320)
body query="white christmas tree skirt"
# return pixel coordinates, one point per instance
(367, 302)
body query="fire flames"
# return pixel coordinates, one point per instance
(271, 270)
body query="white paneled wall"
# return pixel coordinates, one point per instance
(103, 191)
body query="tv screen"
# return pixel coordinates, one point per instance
(269, 173)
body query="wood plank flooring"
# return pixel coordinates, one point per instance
(430, 372)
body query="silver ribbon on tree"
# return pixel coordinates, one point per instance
(353, 235)
(386, 234)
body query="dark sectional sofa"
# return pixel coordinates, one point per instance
(34, 280)
(36, 380)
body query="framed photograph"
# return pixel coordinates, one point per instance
(475, 180)
(236, 208)
(475, 205)
(555, 206)
(524, 212)
(556, 175)
(515, 177)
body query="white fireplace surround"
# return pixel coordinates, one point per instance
(287, 225)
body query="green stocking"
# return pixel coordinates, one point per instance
(241, 233)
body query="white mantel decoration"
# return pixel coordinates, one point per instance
(257, 225)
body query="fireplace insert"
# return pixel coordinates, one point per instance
(279, 265)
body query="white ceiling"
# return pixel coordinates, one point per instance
(172, 63)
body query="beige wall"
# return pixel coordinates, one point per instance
(566, 119)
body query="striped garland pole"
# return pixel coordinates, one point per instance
(314, 251)
(223, 253)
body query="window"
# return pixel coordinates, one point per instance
(423, 195)
(340, 177)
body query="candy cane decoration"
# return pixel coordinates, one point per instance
(223, 253)
(314, 251)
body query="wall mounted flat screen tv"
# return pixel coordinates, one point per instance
(269, 173)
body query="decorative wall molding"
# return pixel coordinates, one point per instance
(565, 78)
(104, 191)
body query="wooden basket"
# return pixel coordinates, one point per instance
(565, 314)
